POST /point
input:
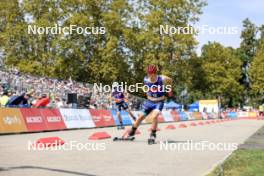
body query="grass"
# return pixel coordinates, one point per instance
(242, 162)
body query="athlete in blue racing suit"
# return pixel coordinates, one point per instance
(156, 96)
(119, 98)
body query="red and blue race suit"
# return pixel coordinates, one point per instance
(119, 100)
(155, 90)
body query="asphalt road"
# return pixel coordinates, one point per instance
(177, 152)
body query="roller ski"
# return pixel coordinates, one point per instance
(124, 138)
(127, 137)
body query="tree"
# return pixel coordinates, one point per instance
(222, 71)
(132, 39)
(13, 39)
(256, 75)
(248, 50)
(197, 85)
(169, 52)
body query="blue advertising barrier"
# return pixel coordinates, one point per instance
(232, 115)
(125, 117)
(183, 116)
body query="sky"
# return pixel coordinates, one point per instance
(229, 13)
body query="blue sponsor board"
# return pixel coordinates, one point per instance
(183, 116)
(125, 117)
(232, 115)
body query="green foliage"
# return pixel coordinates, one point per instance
(247, 52)
(247, 162)
(222, 71)
(251, 51)
(249, 41)
(132, 41)
(256, 74)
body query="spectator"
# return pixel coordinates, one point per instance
(59, 103)
(18, 82)
(4, 99)
(43, 101)
(21, 100)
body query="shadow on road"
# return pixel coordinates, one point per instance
(44, 168)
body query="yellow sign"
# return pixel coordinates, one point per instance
(208, 106)
(11, 120)
(209, 102)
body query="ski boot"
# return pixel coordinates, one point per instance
(131, 134)
(152, 137)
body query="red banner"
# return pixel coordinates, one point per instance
(102, 118)
(160, 118)
(53, 119)
(33, 119)
(223, 115)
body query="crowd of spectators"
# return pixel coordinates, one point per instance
(23, 90)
